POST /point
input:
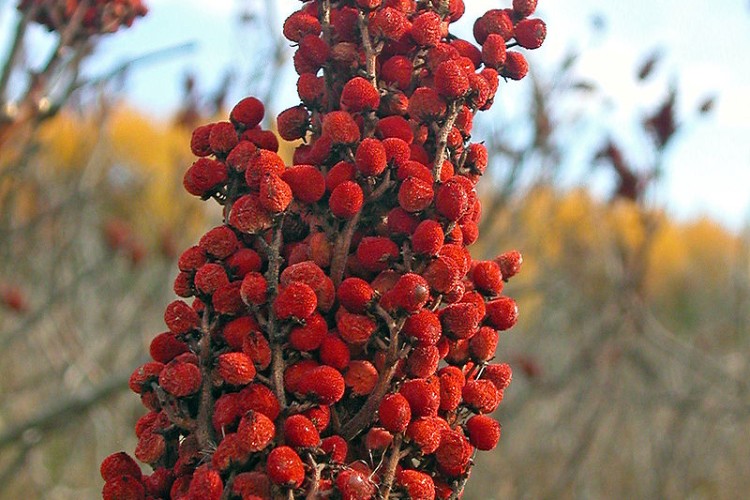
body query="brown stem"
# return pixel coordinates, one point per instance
(341, 249)
(273, 254)
(441, 140)
(365, 414)
(390, 471)
(203, 428)
(312, 492)
(370, 53)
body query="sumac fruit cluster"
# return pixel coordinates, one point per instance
(87, 17)
(334, 337)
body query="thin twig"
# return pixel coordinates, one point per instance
(203, 426)
(390, 470)
(441, 140)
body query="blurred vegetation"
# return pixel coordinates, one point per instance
(630, 358)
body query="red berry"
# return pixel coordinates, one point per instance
(247, 113)
(236, 368)
(515, 66)
(119, 464)
(370, 158)
(530, 33)
(502, 313)
(307, 183)
(484, 432)
(300, 432)
(180, 379)
(394, 413)
(346, 200)
(418, 485)
(359, 95)
(295, 300)
(285, 468)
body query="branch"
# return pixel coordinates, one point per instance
(341, 249)
(441, 140)
(365, 414)
(203, 425)
(273, 254)
(390, 471)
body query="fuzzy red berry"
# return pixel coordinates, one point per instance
(454, 453)
(180, 379)
(295, 300)
(502, 313)
(361, 377)
(340, 127)
(427, 238)
(452, 200)
(354, 485)
(336, 447)
(123, 488)
(425, 432)
(484, 432)
(415, 195)
(370, 158)
(494, 54)
(354, 328)
(346, 200)
(248, 215)
(510, 263)
(388, 23)
(424, 327)
(293, 123)
(119, 464)
(199, 144)
(204, 177)
(334, 352)
(500, 375)
(359, 95)
(481, 396)
(394, 413)
(325, 384)
(426, 105)
(524, 8)
(223, 138)
(236, 368)
(300, 432)
(375, 252)
(418, 485)
(247, 113)
(307, 183)
(451, 80)
(309, 336)
(495, 21)
(410, 293)
(427, 29)
(516, 67)
(423, 397)
(166, 346)
(285, 468)
(299, 25)
(530, 33)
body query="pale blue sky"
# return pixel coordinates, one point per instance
(705, 45)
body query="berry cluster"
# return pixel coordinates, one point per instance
(340, 336)
(89, 17)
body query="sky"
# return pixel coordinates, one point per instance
(705, 46)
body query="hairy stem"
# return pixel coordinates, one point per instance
(203, 427)
(390, 471)
(365, 414)
(441, 140)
